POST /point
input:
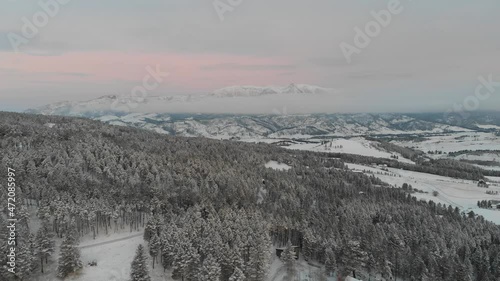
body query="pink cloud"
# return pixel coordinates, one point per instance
(198, 72)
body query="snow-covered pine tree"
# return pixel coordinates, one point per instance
(330, 262)
(308, 245)
(32, 251)
(210, 270)
(186, 260)
(178, 263)
(150, 228)
(353, 257)
(259, 255)
(44, 245)
(235, 254)
(69, 257)
(463, 274)
(192, 260)
(167, 240)
(387, 271)
(288, 258)
(237, 275)
(154, 247)
(495, 263)
(24, 262)
(139, 269)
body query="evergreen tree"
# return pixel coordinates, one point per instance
(44, 245)
(24, 263)
(237, 275)
(463, 273)
(259, 256)
(288, 258)
(69, 258)
(387, 271)
(210, 269)
(330, 262)
(150, 228)
(353, 257)
(154, 247)
(139, 268)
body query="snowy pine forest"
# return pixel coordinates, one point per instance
(210, 210)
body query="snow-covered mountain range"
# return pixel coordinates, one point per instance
(185, 115)
(251, 98)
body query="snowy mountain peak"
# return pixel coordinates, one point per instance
(293, 89)
(252, 91)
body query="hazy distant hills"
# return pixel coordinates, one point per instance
(165, 114)
(250, 99)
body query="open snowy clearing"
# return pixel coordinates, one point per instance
(356, 145)
(113, 260)
(277, 166)
(114, 255)
(456, 192)
(455, 142)
(494, 179)
(488, 126)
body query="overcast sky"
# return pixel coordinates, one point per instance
(427, 58)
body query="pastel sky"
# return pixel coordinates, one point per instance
(426, 59)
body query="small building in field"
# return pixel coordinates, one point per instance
(483, 183)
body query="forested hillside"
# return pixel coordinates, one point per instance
(212, 209)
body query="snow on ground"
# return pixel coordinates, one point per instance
(304, 271)
(488, 214)
(456, 192)
(88, 241)
(494, 179)
(488, 126)
(491, 168)
(113, 253)
(489, 156)
(357, 145)
(277, 166)
(455, 142)
(113, 260)
(49, 125)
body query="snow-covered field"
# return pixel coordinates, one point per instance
(113, 260)
(357, 145)
(488, 126)
(456, 192)
(455, 142)
(494, 179)
(277, 166)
